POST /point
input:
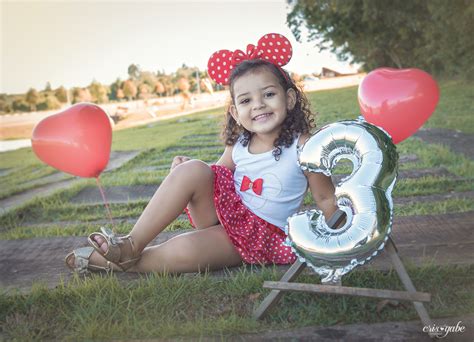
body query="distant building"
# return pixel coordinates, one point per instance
(335, 72)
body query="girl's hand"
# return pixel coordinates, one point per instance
(178, 160)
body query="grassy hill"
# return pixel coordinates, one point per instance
(169, 306)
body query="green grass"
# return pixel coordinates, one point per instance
(164, 306)
(23, 157)
(24, 178)
(150, 139)
(439, 207)
(82, 228)
(154, 141)
(14, 229)
(163, 134)
(429, 186)
(456, 107)
(170, 306)
(197, 136)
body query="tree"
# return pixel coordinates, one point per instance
(52, 102)
(168, 83)
(114, 88)
(448, 42)
(4, 105)
(81, 95)
(98, 92)
(120, 94)
(206, 85)
(20, 105)
(188, 73)
(61, 94)
(47, 88)
(129, 89)
(32, 98)
(390, 33)
(134, 71)
(148, 78)
(183, 84)
(159, 88)
(143, 91)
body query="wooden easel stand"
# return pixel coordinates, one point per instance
(285, 284)
(351, 291)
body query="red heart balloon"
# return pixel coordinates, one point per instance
(398, 100)
(76, 141)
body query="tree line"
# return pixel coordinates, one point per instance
(139, 85)
(433, 35)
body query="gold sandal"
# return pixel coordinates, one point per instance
(81, 261)
(114, 253)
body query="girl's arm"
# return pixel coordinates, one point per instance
(322, 190)
(321, 187)
(226, 158)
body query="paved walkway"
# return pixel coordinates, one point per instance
(60, 180)
(457, 141)
(126, 194)
(438, 239)
(387, 331)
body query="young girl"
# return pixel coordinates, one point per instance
(239, 205)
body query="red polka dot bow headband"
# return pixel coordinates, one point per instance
(272, 47)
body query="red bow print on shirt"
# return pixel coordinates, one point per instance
(256, 185)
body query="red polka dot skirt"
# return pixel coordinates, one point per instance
(256, 240)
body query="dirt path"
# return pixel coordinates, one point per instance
(438, 239)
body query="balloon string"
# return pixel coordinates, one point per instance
(105, 202)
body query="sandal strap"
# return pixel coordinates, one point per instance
(113, 241)
(110, 236)
(132, 243)
(114, 253)
(81, 261)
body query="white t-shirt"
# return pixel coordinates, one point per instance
(271, 189)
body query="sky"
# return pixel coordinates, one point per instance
(72, 43)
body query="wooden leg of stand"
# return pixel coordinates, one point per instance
(272, 299)
(294, 271)
(405, 278)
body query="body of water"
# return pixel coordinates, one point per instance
(10, 145)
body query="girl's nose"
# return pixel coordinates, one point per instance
(258, 104)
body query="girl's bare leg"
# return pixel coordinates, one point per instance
(195, 251)
(192, 184)
(189, 183)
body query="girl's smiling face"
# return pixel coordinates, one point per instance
(260, 103)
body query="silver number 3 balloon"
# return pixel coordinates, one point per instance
(365, 196)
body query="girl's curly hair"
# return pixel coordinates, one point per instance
(299, 120)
